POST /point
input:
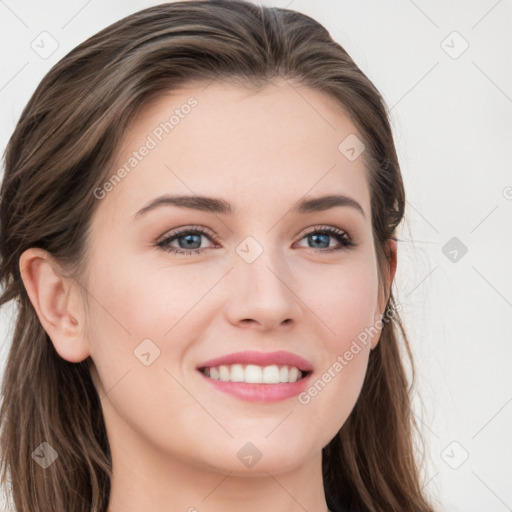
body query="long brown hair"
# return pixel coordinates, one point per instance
(60, 152)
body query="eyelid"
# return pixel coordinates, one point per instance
(348, 239)
(344, 238)
(206, 231)
(175, 232)
(321, 227)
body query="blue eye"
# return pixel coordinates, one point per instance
(189, 240)
(321, 235)
(192, 237)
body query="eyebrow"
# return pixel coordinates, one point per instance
(221, 206)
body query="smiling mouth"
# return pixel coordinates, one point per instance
(255, 374)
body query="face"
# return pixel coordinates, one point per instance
(176, 287)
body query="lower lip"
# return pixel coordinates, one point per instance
(260, 392)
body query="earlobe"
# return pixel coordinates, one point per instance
(391, 257)
(57, 302)
(391, 253)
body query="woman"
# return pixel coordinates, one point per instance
(198, 224)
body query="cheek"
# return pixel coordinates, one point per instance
(144, 307)
(139, 328)
(140, 299)
(346, 305)
(344, 300)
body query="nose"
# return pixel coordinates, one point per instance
(263, 295)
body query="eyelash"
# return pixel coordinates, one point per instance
(342, 236)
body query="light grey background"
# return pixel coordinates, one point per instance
(451, 112)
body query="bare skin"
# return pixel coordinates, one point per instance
(175, 438)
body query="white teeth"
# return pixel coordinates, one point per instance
(293, 374)
(224, 373)
(271, 374)
(254, 374)
(237, 373)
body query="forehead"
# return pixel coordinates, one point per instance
(275, 144)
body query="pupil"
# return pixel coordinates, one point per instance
(188, 240)
(325, 237)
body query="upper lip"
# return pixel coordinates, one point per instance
(280, 357)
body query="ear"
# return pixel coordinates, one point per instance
(390, 270)
(57, 302)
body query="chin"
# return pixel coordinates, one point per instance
(259, 458)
